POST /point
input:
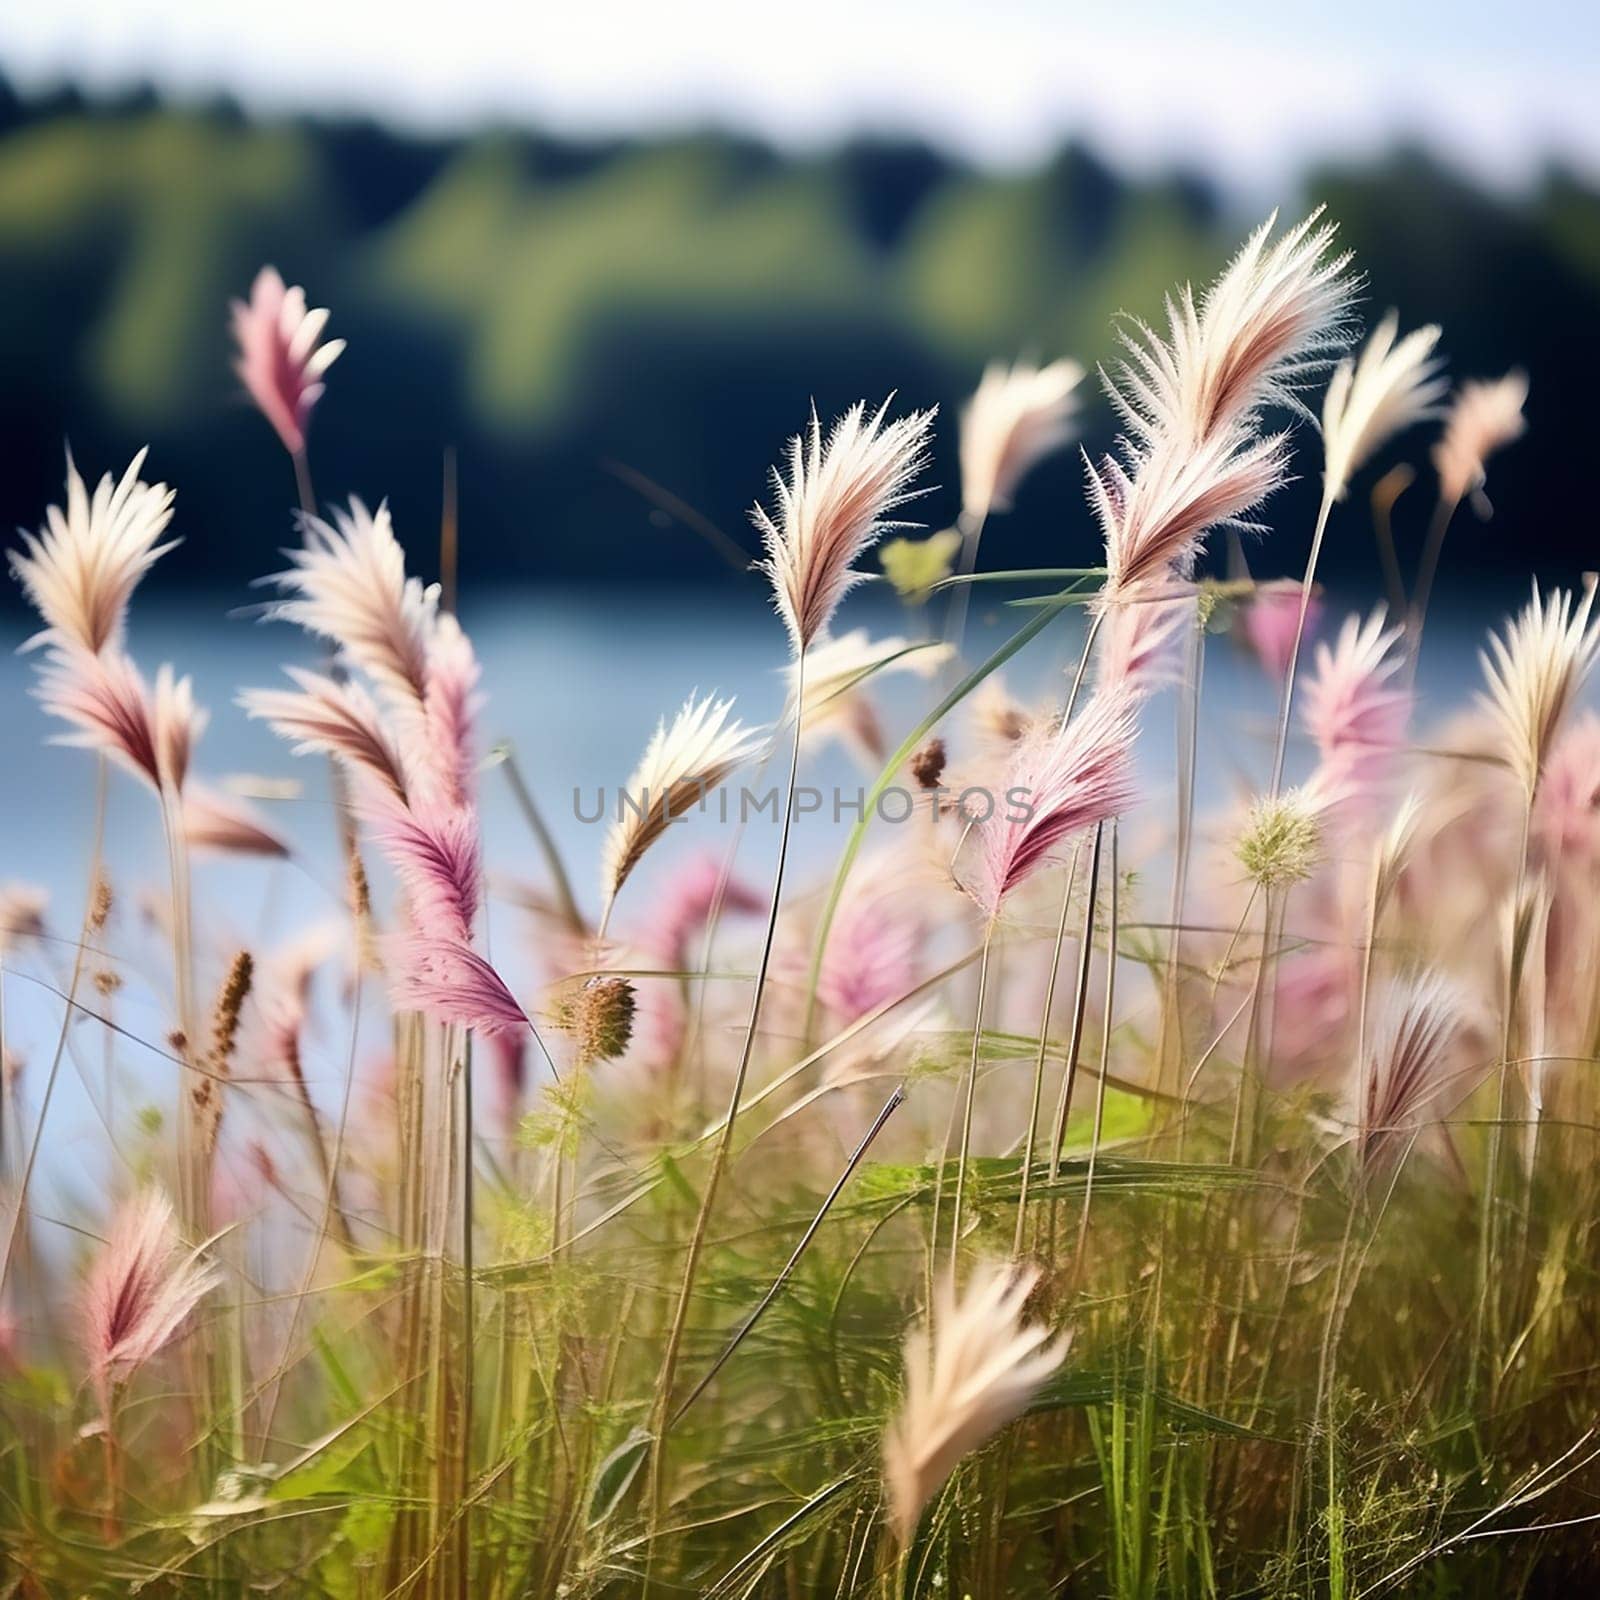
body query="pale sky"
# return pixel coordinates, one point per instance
(1251, 89)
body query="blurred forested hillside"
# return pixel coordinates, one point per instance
(549, 308)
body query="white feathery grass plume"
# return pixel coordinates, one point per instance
(280, 361)
(684, 761)
(1566, 817)
(1416, 1025)
(1265, 328)
(1535, 672)
(84, 564)
(138, 1292)
(1484, 417)
(1017, 415)
(351, 588)
(1191, 400)
(1375, 395)
(111, 709)
(832, 506)
(971, 1370)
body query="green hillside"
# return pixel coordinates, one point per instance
(549, 307)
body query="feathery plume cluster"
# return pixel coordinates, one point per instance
(138, 1292)
(1155, 512)
(1056, 785)
(832, 507)
(681, 765)
(1418, 1021)
(1017, 415)
(1484, 417)
(409, 753)
(79, 574)
(973, 1369)
(351, 588)
(281, 361)
(82, 567)
(1265, 329)
(1191, 400)
(1353, 710)
(110, 708)
(1535, 672)
(1374, 396)
(1271, 622)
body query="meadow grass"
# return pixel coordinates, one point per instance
(1070, 1193)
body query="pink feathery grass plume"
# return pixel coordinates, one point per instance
(1535, 672)
(409, 752)
(685, 903)
(280, 362)
(1354, 711)
(1155, 514)
(971, 1369)
(218, 822)
(1566, 815)
(1267, 327)
(350, 587)
(1016, 417)
(433, 847)
(1417, 1023)
(1271, 622)
(449, 980)
(443, 758)
(1138, 652)
(335, 719)
(138, 1292)
(110, 708)
(435, 851)
(874, 951)
(684, 761)
(1484, 417)
(832, 507)
(83, 566)
(1374, 396)
(1057, 784)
